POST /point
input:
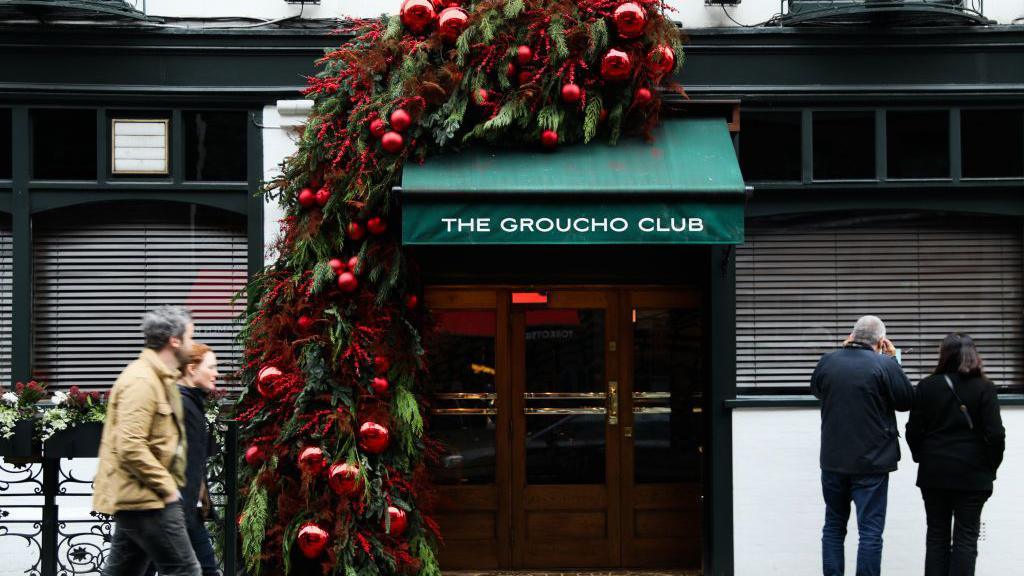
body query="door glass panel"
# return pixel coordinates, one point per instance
(668, 376)
(565, 396)
(463, 393)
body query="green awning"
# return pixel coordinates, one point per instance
(685, 187)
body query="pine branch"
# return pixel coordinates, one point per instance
(254, 523)
(560, 50)
(513, 8)
(598, 38)
(615, 124)
(592, 116)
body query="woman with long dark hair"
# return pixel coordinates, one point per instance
(957, 438)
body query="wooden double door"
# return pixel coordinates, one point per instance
(571, 424)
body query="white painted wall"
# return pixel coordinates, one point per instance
(693, 13)
(779, 509)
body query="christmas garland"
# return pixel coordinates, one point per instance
(332, 420)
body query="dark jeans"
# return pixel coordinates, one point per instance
(870, 493)
(943, 557)
(151, 535)
(202, 545)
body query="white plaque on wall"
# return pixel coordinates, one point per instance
(140, 146)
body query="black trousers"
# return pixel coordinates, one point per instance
(151, 535)
(945, 556)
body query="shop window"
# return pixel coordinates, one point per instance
(917, 143)
(63, 144)
(992, 143)
(770, 146)
(5, 144)
(6, 287)
(800, 286)
(844, 145)
(215, 146)
(97, 269)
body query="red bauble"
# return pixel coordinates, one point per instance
(304, 323)
(643, 96)
(400, 120)
(343, 478)
(630, 20)
(337, 265)
(312, 540)
(523, 55)
(482, 96)
(311, 460)
(412, 301)
(604, 115)
(511, 70)
(378, 128)
(322, 196)
(451, 22)
(376, 226)
(549, 139)
(392, 142)
(347, 282)
(355, 231)
(381, 364)
(379, 385)
(254, 455)
(417, 15)
(307, 198)
(571, 93)
(398, 521)
(661, 60)
(615, 65)
(524, 77)
(373, 438)
(265, 380)
(352, 263)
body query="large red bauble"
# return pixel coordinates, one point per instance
(482, 96)
(380, 385)
(378, 128)
(322, 196)
(376, 226)
(265, 380)
(355, 231)
(524, 77)
(630, 20)
(661, 60)
(381, 364)
(417, 15)
(347, 282)
(412, 301)
(304, 323)
(451, 22)
(615, 65)
(373, 438)
(307, 198)
(312, 540)
(343, 478)
(337, 265)
(352, 263)
(549, 139)
(311, 460)
(400, 120)
(392, 142)
(524, 54)
(571, 93)
(643, 96)
(398, 521)
(254, 455)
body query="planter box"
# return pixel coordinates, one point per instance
(23, 444)
(82, 441)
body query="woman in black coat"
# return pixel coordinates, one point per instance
(956, 436)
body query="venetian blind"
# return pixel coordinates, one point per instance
(97, 270)
(6, 286)
(799, 292)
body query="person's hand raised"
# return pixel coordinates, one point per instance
(887, 347)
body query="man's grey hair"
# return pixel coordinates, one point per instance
(868, 330)
(164, 323)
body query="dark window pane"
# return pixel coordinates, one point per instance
(992, 142)
(917, 143)
(215, 146)
(64, 144)
(5, 144)
(844, 145)
(770, 146)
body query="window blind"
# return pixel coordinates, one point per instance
(800, 290)
(98, 269)
(6, 287)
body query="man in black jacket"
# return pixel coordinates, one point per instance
(860, 387)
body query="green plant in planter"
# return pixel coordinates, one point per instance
(71, 409)
(19, 404)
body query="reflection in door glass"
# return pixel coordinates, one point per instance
(565, 419)
(668, 377)
(462, 387)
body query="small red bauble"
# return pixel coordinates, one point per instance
(254, 455)
(347, 282)
(400, 120)
(307, 198)
(312, 540)
(661, 60)
(417, 15)
(373, 438)
(451, 22)
(337, 265)
(511, 70)
(322, 196)
(630, 20)
(343, 478)
(379, 385)
(549, 139)
(381, 364)
(265, 380)
(482, 96)
(523, 55)
(604, 115)
(355, 231)
(378, 128)
(392, 142)
(615, 65)
(398, 521)
(376, 226)
(412, 301)
(524, 77)
(643, 96)
(304, 323)
(311, 460)
(352, 263)
(571, 93)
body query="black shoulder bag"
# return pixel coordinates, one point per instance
(963, 407)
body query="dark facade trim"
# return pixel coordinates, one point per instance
(801, 401)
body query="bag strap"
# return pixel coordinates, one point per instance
(963, 407)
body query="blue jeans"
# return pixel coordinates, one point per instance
(151, 535)
(870, 494)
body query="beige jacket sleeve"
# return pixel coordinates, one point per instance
(135, 418)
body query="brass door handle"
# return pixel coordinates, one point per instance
(613, 403)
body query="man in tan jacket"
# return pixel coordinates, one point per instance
(142, 455)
